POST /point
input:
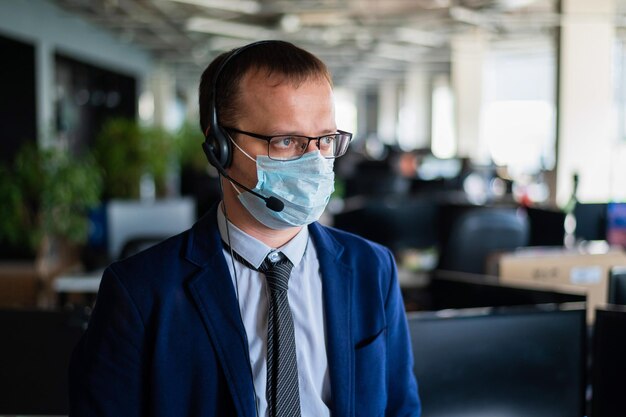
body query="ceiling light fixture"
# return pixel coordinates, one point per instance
(419, 37)
(232, 29)
(290, 23)
(242, 6)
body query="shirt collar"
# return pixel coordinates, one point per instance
(253, 250)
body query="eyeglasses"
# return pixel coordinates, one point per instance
(290, 147)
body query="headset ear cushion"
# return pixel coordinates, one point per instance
(218, 144)
(226, 152)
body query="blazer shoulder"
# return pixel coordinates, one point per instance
(156, 265)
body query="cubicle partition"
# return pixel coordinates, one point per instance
(460, 290)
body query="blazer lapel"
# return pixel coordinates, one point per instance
(336, 283)
(212, 291)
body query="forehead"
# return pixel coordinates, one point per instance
(276, 102)
(265, 78)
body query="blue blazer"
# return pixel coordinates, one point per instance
(166, 338)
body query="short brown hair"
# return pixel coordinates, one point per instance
(273, 57)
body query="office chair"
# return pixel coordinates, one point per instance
(480, 232)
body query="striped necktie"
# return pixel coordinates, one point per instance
(283, 397)
(282, 391)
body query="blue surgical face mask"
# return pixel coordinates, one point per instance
(303, 185)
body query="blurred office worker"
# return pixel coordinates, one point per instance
(257, 310)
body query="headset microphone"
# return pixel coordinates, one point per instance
(271, 202)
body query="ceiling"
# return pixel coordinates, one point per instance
(362, 41)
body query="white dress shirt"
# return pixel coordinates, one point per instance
(305, 300)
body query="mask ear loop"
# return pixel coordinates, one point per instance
(242, 151)
(231, 183)
(236, 190)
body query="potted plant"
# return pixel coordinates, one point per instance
(128, 152)
(45, 196)
(188, 139)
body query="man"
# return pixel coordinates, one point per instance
(258, 310)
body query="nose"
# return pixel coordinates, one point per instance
(313, 146)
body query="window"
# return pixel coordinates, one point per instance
(518, 117)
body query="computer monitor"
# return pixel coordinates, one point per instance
(432, 168)
(513, 362)
(35, 350)
(396, 222)
(146, 221)
(546, 226)
(617, 285)
(616, 224)
(608, 362)
(590, 221)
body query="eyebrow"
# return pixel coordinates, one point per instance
(323, 133)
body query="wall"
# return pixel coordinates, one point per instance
(51, 30)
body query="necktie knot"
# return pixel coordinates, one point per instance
(276, 273)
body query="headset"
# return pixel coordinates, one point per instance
(217, 144)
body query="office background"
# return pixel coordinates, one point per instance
(489, 155)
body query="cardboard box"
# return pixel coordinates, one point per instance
(546, 268)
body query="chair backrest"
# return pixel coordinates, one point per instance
(480, 232)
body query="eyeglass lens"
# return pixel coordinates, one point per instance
(293, 147)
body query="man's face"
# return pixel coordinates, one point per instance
(272, 106)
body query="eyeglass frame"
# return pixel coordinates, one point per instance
(269, 138)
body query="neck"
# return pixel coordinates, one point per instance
(240, 217)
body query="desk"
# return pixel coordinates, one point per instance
(86, 283)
